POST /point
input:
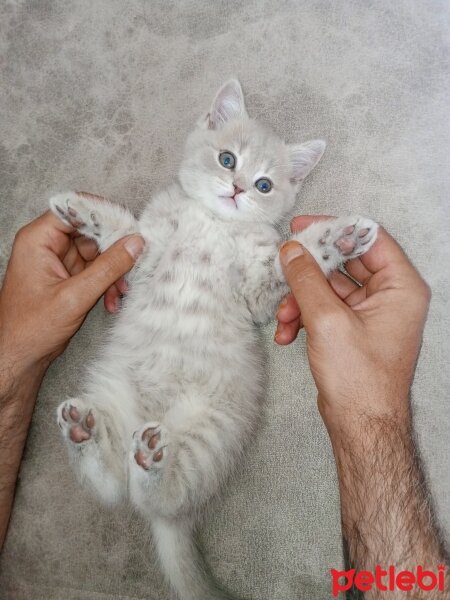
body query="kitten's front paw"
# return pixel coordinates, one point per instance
(76, 421)
(77, 210)
(350, 237)
(150, 446)
(336, 241)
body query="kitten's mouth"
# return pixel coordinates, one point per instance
(231, 200)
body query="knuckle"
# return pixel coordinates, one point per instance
(330, 321)
(22, 234)
(299, 274)
(426, 292)
(113, 266)
(333, 322)
(422, 292)
(424, 298)
(67, 298)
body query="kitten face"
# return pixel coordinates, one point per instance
(240, 169)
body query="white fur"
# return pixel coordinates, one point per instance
(183, 361)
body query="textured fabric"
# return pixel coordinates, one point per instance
(99, 96)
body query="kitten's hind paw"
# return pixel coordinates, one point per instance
(76, 209)
(150, 446)
(76, 421)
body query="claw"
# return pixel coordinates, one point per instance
(78, 434)
(345, 246)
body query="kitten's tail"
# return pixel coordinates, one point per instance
(182, 563)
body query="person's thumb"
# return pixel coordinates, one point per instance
(309, 285)
(92, 282)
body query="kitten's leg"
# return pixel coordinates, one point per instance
(95, 218)
(175, 470)
(95, 447)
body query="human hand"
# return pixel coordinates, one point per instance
(362, 341)
(52, 280)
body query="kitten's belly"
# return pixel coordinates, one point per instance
(183, 327)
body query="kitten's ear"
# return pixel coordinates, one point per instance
(228, 104)
(304, 157)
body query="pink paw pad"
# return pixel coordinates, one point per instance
(149, 447)
(79, 428)
(346, 246)
(355, 239)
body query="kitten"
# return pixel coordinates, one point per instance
(169, 407)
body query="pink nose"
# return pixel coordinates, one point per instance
(237, 190)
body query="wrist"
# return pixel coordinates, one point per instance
(18, 391)
(17, 360)
(17, 372)
(344, 419)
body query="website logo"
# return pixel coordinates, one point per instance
(388, 580)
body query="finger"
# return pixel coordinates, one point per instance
(73, 262)
(114, 294)
(384, 253)
(302, 222)
(111, 299)
(88, 249)
(104, 271)
(357, 296)
(308, 284)
(342, 285)
(286, 333)
(49, 232)
(357, 270)
(49, 221)
(122, 285)
(288, 309)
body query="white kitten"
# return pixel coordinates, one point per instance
(169, 407)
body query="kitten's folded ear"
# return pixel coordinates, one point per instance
(304, 157)
(227, 105)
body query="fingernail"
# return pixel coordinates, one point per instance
(283, 303)
(280, 328)
(134, 246)
(281, 306)
(289, 251)
(122, 286)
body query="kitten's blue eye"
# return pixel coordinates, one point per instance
(227, 160)
(263, 185)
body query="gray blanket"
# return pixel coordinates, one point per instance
(99, 96)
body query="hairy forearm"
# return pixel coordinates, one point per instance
(387, 516)
(18, 391)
